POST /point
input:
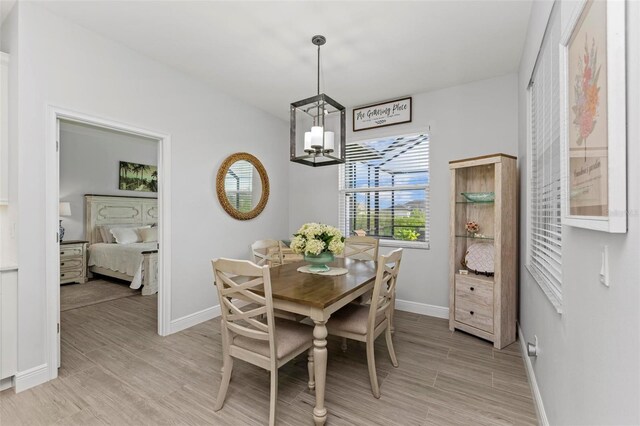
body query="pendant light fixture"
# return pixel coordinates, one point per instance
(318, 126)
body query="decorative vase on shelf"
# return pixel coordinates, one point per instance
(319, 261)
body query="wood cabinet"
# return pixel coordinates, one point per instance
(73, 262)
(484, 303)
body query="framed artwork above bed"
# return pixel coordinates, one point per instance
(138, 177)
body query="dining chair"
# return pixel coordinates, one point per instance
(365, 323)
(361, 248)
(288, 255)
(266, 252)
(250, 332)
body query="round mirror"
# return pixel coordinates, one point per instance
(242, 186)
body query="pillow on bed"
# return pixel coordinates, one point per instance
(105, 231)
(127, 235)
(148, 235)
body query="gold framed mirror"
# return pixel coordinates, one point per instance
(242, 186)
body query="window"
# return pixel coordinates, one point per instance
(544, 259)
(384, 190)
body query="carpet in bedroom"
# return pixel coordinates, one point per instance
(74, 296)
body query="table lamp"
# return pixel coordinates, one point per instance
(65, 210)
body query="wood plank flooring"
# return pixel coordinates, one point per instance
(117, 371)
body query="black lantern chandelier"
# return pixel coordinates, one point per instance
(318, 126)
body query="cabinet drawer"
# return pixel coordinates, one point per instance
(71, 274)
(475, 315)
(71, 263)
(70, 251)
(474, 290)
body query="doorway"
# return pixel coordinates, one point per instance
(53, 247)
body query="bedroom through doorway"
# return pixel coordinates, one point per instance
(110, 227)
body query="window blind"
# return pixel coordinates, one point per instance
(238, 185)
(545, 214)
(384, 189)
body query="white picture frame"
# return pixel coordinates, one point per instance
(382, 114)
(577, 182)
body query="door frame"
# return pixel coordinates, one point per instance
(52, 251)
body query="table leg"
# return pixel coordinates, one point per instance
(320, 361)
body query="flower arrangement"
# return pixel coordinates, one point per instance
(472, 227)
(315, 238)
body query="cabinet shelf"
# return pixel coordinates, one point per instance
(474, 238)
(476, 202)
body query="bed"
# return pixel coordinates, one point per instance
(136, 262)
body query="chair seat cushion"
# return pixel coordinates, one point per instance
(290, 337)
(352, 319)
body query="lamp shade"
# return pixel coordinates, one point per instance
(65, 209)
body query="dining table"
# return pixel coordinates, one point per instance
(318, 296)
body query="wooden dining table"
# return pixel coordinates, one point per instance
(318, 296)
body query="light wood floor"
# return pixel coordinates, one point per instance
(116, 370)
(73, 296)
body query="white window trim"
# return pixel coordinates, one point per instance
(418, 245)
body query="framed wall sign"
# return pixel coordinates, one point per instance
(381, 115)
(593, 117)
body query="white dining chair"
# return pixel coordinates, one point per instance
(361, 248)
(365, 323)
(250, 332)
(288, 255)
(266, 252)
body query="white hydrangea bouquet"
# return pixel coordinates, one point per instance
(318, 242)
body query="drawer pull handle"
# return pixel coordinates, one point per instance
(62, 264)
(472, 289)
(471, 312)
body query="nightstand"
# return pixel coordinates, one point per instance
(73, 261)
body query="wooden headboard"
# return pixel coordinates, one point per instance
(113, 210)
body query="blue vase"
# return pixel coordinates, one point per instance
(61, 231)
(319, 261)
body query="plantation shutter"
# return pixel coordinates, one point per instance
(384, 189)
(545, 216)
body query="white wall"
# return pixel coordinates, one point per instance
(67, 66)
(89, 164)
(466, 121)
(9, 214)
(588, 370)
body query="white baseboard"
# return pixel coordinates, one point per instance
(533, 383)
(194, 319)
(422, 308)
(32, 377)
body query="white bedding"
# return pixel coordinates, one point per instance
(124, 258)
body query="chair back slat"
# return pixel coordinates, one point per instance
(288, 255)
(237, 281)
(361, 248)
(266, 252)
(385, 286)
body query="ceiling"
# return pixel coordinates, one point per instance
(261, 52)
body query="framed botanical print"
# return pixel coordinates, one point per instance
(593, 117)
